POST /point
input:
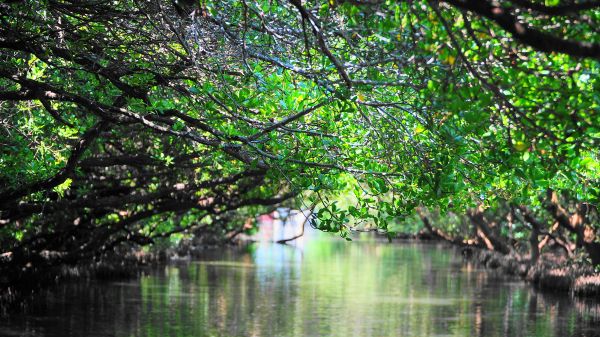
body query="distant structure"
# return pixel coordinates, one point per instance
(282, 224)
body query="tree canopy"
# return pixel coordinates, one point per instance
(130, 121)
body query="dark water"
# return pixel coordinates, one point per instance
(328, 288)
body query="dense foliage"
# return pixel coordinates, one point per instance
(129, 121)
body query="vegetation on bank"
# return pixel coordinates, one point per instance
(125, 123)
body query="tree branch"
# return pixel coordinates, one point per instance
(525, 34)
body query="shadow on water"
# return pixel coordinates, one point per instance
(325, 288)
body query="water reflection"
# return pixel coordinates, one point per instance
(330, 288)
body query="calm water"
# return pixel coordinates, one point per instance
(327, 288)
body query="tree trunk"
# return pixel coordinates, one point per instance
(536, 227)
(432, 230)
(484, 231)
(575, 223)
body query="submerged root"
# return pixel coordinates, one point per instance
(587, 286)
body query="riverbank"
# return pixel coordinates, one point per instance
(19, 285)
(555, 270)
(549, 273)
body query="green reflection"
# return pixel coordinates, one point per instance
(335, 288)
(326, 288)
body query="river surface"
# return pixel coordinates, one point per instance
(325, 288)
